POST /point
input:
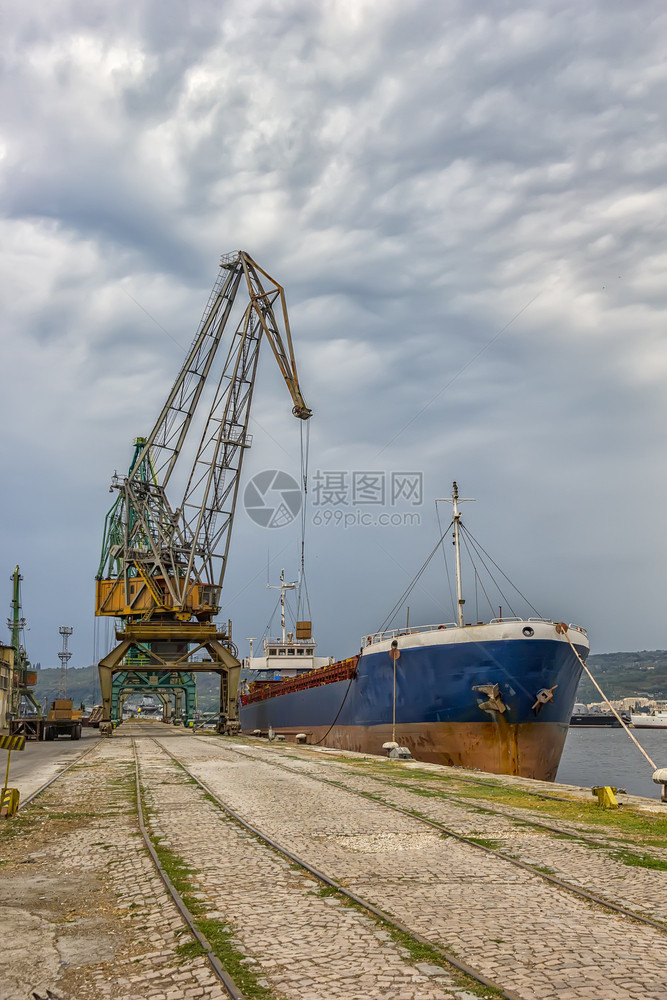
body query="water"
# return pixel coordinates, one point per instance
(609, 757)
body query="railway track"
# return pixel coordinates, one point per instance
(331, 883)
(410, 779)
(227, 981)
(281, 857)
(92, 914)
(600, 900)
(56, 777)
(580, 924)
(627, 925)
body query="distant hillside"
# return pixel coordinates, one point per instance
(626, 675)
(83, 686)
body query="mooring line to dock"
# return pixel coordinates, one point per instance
(583, 893)
(595, 683)
(386, 918)
(213, 960)
(42, 788)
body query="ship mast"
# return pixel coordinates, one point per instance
(283, 588)
(455, 501)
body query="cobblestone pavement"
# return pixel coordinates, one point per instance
(600, 871)
(538, 940)
(308, 946)
(82, 911)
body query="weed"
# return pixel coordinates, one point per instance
(243, 973)
(190, 949)
(639, 860)
(493, 845)
(417, 950)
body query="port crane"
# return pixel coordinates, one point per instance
(163, 564)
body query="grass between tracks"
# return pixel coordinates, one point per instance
(219, 934)
(413, 949)
(623, 824)
(417, 951)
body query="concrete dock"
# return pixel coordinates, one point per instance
(527, 887)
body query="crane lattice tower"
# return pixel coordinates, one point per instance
(64, 655)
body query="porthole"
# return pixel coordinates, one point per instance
(528, 631)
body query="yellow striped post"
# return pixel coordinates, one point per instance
(9, 801)
(12, 742)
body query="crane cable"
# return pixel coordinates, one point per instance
(305, 450)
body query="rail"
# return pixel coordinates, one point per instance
(224, 977)
(509, 858)
(339, 887)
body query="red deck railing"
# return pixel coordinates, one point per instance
(261, 690)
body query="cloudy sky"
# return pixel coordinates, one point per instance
(466, 204)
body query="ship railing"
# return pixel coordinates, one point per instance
(545, 621)
(295, 642)
(394, 633)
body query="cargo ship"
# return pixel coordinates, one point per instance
(493, 696)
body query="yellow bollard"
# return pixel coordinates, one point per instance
(9, 803)
(606, 796)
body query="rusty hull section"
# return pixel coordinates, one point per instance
(529, 750)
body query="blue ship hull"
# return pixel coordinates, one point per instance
(520, 728)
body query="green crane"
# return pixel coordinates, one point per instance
(20, 687)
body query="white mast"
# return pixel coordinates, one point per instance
(283, 587)
(455, 501)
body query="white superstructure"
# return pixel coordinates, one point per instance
(286, 656)
(656, 720)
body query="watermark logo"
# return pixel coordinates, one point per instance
(272, 498)
(339, 498)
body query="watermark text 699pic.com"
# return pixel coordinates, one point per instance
(338, 498)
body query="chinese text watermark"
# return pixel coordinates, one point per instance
(338, 498)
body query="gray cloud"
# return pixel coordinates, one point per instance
(416, 177)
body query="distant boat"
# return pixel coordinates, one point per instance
(583, 716)
(656, 720)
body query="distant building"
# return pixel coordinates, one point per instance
(630, 704)
(6, 670)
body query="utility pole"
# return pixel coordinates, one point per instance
(64, 656)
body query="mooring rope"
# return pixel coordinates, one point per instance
(595, 683)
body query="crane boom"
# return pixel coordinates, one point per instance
(165, 560)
